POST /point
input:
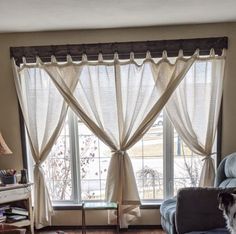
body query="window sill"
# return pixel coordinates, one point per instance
(144, 205)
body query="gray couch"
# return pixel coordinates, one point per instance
(195, 210)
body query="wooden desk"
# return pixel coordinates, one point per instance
(19, 193)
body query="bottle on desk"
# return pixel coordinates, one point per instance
(24, 177)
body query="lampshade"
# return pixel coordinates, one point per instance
(3, 146)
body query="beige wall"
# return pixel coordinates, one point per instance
(9, 119)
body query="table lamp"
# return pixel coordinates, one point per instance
(4, 149)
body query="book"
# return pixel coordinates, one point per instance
(4, 207)
(17, 211)
(15, 218)
(3, 219)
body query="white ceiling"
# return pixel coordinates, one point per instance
(43, 15)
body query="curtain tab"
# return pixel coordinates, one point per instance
(69, 59)
(24, 60)
(100, 57)
(84, 58)
(223, 52)
(181, 53)
(212, 52)
(38, 60)
(131, 56)
(53, 59)
(148, 55)
(197, 51)
(164, 54)
(116, 56)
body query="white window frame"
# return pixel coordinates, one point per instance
(168, 162)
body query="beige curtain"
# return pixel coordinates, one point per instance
(119, 101)
(194, 109)
(44, 111)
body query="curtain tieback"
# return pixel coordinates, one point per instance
(208, 157)
(122, 152)
(38, 165)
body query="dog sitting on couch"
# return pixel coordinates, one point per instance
(227, 203)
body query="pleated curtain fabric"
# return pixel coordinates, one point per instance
(119, 101)
(194, 110)
(44, 111)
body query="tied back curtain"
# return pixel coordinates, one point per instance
(119, 101)
(44, 111)
(194, 109)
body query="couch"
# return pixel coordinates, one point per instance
(195, 210)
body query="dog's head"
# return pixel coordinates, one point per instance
(227, 203)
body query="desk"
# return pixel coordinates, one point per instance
(99, 206)
(19, 193)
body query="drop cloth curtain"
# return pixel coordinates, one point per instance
(44, 111)
(194, 109)
(119, 101)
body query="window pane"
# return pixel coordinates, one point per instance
(94, 161)
(57, 168)
(147, 160)
(187, 165)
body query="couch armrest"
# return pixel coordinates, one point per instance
(197, 210)
(220, 174)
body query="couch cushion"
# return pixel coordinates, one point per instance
(167, 209)
(230, 169)
(228, 183)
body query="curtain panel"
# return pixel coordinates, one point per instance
(194, 110)
(119, 101)
(44, 111)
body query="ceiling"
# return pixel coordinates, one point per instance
(40, 15)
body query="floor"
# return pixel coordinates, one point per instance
(133, 231)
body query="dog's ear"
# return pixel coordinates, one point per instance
(225, 200)
(234, 191)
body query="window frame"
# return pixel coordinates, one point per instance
(168, 161)
(123, 48)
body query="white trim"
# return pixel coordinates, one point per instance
(168, 160)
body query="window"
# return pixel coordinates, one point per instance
(76, 168)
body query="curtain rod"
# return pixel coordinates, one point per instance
(122, 48)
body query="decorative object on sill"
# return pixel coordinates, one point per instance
(4, 149)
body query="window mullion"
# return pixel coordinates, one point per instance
(75, 166)
(168, 167)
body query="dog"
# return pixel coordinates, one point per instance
(227, 203)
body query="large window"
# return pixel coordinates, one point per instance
(76, 168)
